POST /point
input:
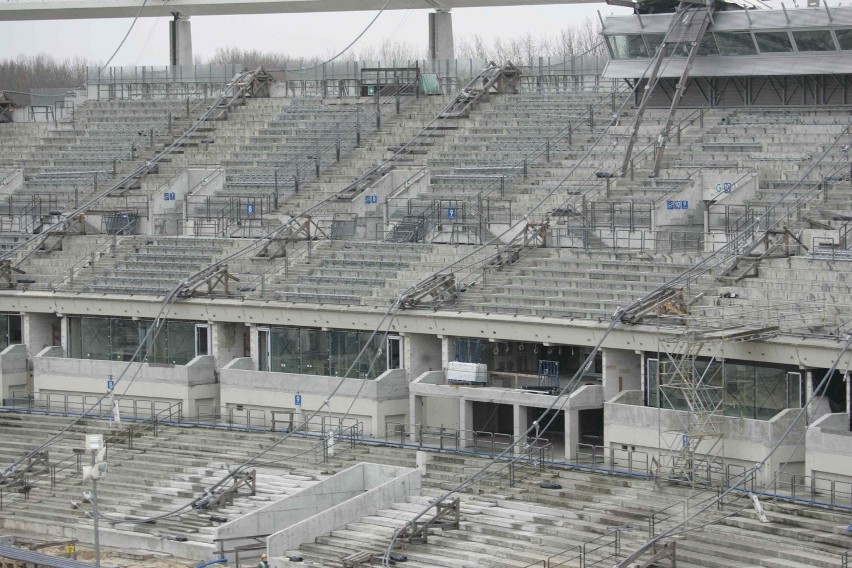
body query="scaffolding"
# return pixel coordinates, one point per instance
(690, 377)
(692, 451)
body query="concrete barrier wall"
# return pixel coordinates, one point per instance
(827, 443)
(13, 369)
(745, 441)
(385, 486)
(370, 400)
(52, 372)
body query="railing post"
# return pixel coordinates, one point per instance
(570, 134)
(151, 138)
(547, 151)
(591, 118)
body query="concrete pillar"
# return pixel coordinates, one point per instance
(37, 331)
(465, 422)
(441, 45)
(572, 433)
(415, 416)
(180, 41)
(622, 370)
(227, 341)
(519, 415)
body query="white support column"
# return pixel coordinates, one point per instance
(465, 422)
(572, 433)
(180, 41)
(441, 46)
(520, 425)
(622, 370)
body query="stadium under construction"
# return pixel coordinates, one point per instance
(581, 311)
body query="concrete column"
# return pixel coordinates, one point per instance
(572, 433)
(180, 41)
(37, 331)
(519, 414)
(622, 370)
(415, 416)
(465, 422)
(227, 341)
(441, 45)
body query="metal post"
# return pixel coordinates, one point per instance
(570, 134)
(396, 88)
(96, 181)
(96, 514)
(187, 107)
(547, 150)
(525, 168)
(275, 194)
(170, 122)
(151, 138)
(378, 107)
(296, 180)
(591, 118)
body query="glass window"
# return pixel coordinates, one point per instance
(314, 351)
(285, 350)
(343, 349)
(181, 342)
(814, 40)
(773, 42)
(202, 340)
(844, 38)
(737, 389)
(468, 350)
(94, 338)
(124, 339)
(708, 46)
(628, 46)
(118, 339)
(653, 42)
(735, 43)
(372, 363)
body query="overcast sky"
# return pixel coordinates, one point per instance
(296, 34)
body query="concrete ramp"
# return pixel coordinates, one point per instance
(317, 510)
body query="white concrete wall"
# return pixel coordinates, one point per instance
(745, 441)
(37, 330)
(374, 399)
(622, 370)
(13, 370)
(227, 341)
(827, 446)
(185, 383)
(385, 486)
(422, 353)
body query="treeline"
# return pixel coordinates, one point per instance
(26, 72)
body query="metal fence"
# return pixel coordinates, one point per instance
(96, 406)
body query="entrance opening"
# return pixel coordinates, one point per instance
(591, 426)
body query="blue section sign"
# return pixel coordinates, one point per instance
(169, 196)
(297, 400)
(371, 199)
(249, 209)
(451, 213)
(677, 204)
(110, 384)
(685, 440)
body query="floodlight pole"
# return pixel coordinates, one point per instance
(95, 509)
